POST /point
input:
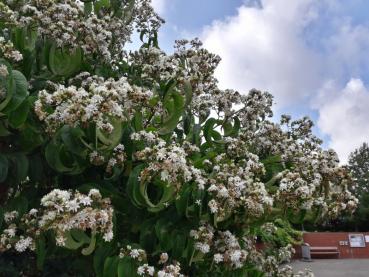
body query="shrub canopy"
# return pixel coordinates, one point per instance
(117, 163)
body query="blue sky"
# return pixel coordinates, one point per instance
(312, 55)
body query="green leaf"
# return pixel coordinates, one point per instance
(1, 217)
(19, 115)
(24, 38)
(111, 266)
(99, 259)
(174, 104)
(187, 122)
(195, 135)
(188, 92)
(168, 192)
(61, 160)
(230, 130)
(208, 128)
(98, 5)
(110, 140)
(63, 62)
(182, 202)
(127, 268)
(71, 137)
(138, 121)
(88, 250)
(7, 84)
(40, 251)
(179, 243)
(148, 239)
(87, 7)
(80, 236)
(71, 243)
(4, 165)
(19, 204)
(133, 186)
(20, 92)
(30, 138)
(162, 230)
(3, 131)
(19, 167)
(273, 165)
(211, 135)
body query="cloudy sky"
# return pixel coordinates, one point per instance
(312, 55)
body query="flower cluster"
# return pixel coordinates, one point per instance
(203, 238)
(169, 161)
(61, 211)
(136, 254)
(228, 251)
(8, 51)
(295, 192)
(64, 211)
(70, 23)
(236, 186)
(189, 62)
(96, 101)
(116, 158)
(171, 270)
(144, 269)
(10, 239)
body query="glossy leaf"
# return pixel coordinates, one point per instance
(127, 268)
(19, 115)
(20, 88)
(40, 252)
(63, 62)
(174, 103)
(111, 266)
(4, 165)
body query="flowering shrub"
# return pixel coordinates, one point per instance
(117, 163)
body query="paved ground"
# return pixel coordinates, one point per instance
(335, 267)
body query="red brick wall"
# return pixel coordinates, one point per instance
(333, 239)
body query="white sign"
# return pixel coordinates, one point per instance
(356, 240)
(366, 238)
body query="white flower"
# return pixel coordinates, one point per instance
(10, 232)
(85, 200)
(72, 205)
(235, 256)
(60, 240)
(213, 206)
(23, 244)
(108, 236)
(202, 247)
(9, 216)
(33, 212)
(134, 253)
(142, 270)
(163, 258)
(94, 193)
(218, 258)
(164, 175)
(3, 70)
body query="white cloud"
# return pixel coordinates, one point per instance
(159, 6)
(263, 48)
(303, 52)
(344, 114)
(347, 50)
